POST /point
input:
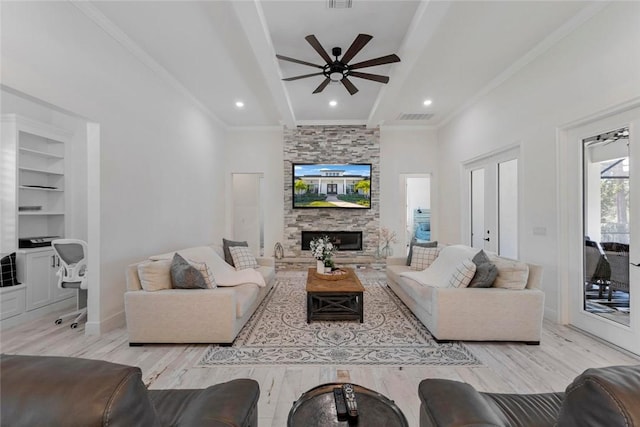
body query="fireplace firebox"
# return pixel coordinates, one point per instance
(343, 240)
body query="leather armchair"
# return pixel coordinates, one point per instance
(598, 397)
(66, 391)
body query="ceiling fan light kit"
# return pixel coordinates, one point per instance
(339, 70)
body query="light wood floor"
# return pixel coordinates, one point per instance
(563, 354)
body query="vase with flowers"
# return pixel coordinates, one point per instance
(385, 238)
(322, 250)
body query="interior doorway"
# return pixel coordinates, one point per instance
(417, 226)
(247, 214)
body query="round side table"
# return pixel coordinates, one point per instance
(317, 408)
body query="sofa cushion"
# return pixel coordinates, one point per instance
(69, 391)
(185, 276)
(269, 273)
(226, 244)
(512, 274)
(155, 275)
(207, 275)
(486, 271)
(602, 397)
(463, 274)
(242, 257)
(413, 243)
(245, 297)
(423, 257)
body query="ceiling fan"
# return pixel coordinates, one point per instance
(340, 70)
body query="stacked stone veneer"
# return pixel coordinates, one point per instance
(331, 144)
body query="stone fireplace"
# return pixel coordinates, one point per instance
(342, 240)
(331, 144)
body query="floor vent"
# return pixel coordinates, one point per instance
(414, 116)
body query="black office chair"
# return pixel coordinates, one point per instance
(72, 273)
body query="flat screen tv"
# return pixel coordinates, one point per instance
(331, 185)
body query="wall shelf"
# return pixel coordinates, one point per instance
(22, 168)
(41, 153)
(25, 187)
(38, 213)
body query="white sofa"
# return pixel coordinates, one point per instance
(195, 315)
(472, 314)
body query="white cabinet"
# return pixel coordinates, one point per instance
(37, 270)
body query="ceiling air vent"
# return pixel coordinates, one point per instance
(339, 4)
(414, 116)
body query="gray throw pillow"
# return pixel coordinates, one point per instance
(185, 276)
(433, 244)
(486, 271)
(226, 244)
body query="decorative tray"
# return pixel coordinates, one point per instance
(338, 274)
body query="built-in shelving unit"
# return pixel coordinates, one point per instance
(32, 204)
(34, 157)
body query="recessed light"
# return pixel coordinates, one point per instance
(333, 103)
(427, 102)
(239, 104)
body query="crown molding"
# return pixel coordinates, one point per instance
(540, 49)
(111, 29)
(331, 122)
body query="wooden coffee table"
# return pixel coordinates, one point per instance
(331, 299)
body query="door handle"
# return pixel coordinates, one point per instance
(488, 239)
(635, 265)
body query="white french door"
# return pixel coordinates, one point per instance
(493, 203)
(601, 209)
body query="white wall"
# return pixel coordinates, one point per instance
(594, 68)
(162, 157)
(405, 150)
(259, 150)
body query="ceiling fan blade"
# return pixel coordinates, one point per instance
(377, 61)
(297, 61)
(313, 41)
(322, 85)
(350, 87)
(374, 77)
(301, 77)
(356, 47)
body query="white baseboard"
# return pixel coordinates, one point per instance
(115, 321)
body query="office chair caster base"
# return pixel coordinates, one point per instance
(58, 321)
(74, 325)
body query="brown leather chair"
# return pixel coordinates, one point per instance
(598, 397)
(67, 391)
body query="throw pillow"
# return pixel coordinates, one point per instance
(155, 275)
(243, 258)
(207, 275)
(226, 244)
(463, 274)
(433, 244)
(184, 275)
(8, 276)
(486, 271)
(512, 274)
(423, 257)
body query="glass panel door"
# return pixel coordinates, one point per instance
(508, 208)
(606, 211)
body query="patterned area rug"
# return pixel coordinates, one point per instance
(278, 333)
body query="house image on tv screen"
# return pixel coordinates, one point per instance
(332, 186)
